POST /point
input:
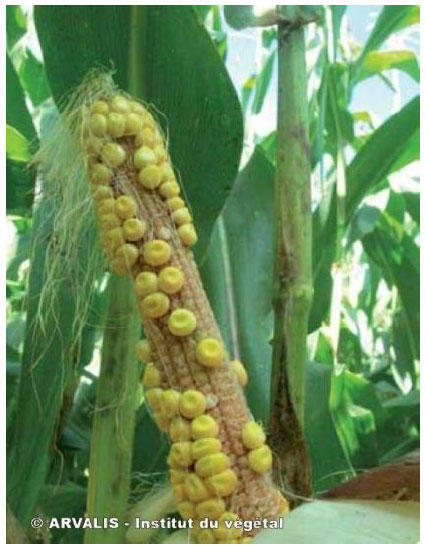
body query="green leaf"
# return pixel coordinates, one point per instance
(378, 61)
(262, 82)
(16, 25)
(33, 78)
(163, 55)
(17, 147)
(17, 114)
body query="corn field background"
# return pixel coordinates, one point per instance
(213, 78)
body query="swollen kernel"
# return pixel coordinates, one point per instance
(177, 476)
(181, 216)
(170, 403)
(134, 229)
(93, 145)
(156, 252)
(125, 207)
(187, 234)
(166, 172)
(175, 203)
(246, 540)
(160, 152)
(146, 137)
(113, 154)
(182, 322)
(116, 125)
(153, 397)
(161, 421)
(192, 403)
(212, 464)
(284, 506)
(128, 254)
(171, 279)
(223, 484)
(134, 124)
(253, 435)
(240, 372)
(260, 460)
(149, 176)
(106, 206)
(98, 125)
(155, 305)
(204, 426)
(146, 283)
(119, 104)
(195, 488)
(210, 352)
(206, 536)
(211, 508)
(144, 156)
(224, 533)
(143, 351)
(108, 221)
(137, 107)
(118, 267)
(186, 509)
(100, 107)
(204, 447)
(151, 377)
(101, 192)
(169, 189)
(179, 492)
(113, 239)
(180, 429)
(180, 455)
(101, 174)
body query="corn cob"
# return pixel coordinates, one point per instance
(219, 462)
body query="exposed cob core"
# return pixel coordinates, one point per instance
(219, 462)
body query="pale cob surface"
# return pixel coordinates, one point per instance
(174, 357)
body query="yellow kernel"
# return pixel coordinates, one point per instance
(116, 125)
(108, 221)
(180, 429)
(223, 484)
(143, 351)
(133, 229)
(180, 455)
(156, 252)
(106, 206)
(206, 536)
(144, 156)
(101, 174)
(170, 403)
(186, 509)
(93, 145)
(169, 189)
(166, 172)
(113, 155)
(146, 283)
(134, 123)
(171, 279)
(240, 372)
(182, 322)
(204, 426)
(125, 207)
(153, 397)
(151, 376)
(175, 203)
(212, 464)
(118, 267)
(128, 253)
(113, 239)
(146, 137)
(179, 491)
(211, 508)
(100, 107)
(136, 107)
(98, 125)
(210, 352)
(246, 540)
(102, 192)
(177, 476)
(195, 488)
(187, 234)
(260, 460)
(160, 152)
(224, 533)
(119, 104)
(192, 403)
(181, 216)
(149, 176)
(284, 506)
(161, 421)
(205, 446)
(155, 305)
(253, 435)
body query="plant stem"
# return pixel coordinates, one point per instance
(114, 417)
(293, 278)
